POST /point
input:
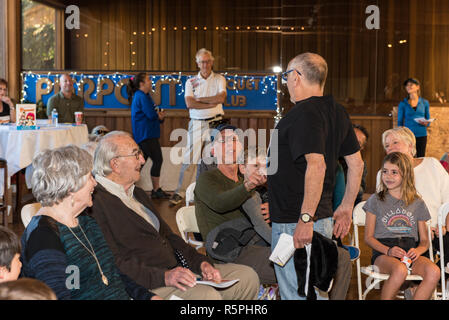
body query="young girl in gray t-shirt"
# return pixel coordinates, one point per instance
(396, 228)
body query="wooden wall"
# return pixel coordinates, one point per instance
(373, 153)
(366, 67)
(175, 119)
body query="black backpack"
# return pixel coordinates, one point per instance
(225, 242)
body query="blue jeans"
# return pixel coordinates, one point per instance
(286, 275)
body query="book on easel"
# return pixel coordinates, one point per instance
(26, 116)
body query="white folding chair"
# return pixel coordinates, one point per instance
(28, 211)
(359, 216)
(186, 221)
(189, 193)
(442, 214)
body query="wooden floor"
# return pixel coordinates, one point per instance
(168, 214)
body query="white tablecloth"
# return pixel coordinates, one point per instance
(19, 147)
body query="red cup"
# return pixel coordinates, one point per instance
(78, 118)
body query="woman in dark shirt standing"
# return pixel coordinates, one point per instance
(146, 120)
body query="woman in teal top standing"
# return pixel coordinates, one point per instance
(411, 108)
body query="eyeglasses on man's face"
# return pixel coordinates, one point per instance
(224, 139)
(284, 75)
(135, 154)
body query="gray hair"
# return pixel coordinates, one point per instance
(201, 52)
(107, 149)
(59, 172)
(312, 66)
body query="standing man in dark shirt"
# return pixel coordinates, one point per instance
(311, 137)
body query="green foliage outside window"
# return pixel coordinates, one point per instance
(38, 36)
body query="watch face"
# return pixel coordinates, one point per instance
(305, 217)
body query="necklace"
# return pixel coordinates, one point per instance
(92, 252)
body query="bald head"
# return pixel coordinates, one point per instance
(312, 67)
(66, 84)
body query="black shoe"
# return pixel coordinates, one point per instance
(159, 194)
(175, 199)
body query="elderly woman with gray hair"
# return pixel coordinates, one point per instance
(63, 248)
(431, 179)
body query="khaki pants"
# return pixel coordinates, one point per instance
(342, 278)
(246, 289)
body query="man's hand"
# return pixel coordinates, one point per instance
(254, 180)
(180, 276)
(303, 234)
(156, 298)
(343, 219)
(161, 115)
(209, 272)
(264, 208)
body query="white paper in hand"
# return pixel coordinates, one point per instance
(283, 250)
(222, 284)
(424, 119)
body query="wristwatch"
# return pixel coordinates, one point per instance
(306, 218)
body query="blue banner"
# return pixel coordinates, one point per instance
(244, 92)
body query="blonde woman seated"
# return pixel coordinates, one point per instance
(431, 179)
(63, 248)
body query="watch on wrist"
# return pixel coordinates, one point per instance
(306, 218)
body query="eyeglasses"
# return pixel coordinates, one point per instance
(205, 61)
(136, 154)
(284, 75)
(227, 139)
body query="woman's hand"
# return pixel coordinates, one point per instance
(7, 100)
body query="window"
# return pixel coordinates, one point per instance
(38, 36)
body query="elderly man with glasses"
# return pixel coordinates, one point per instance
(311, 138)
(205, 94)
(222, 200)
(144, 246)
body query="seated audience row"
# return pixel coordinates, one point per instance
(63, 237)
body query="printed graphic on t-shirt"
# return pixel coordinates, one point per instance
(400, 221)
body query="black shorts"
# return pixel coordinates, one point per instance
(405, 243)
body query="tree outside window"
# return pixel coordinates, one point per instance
(38, 36)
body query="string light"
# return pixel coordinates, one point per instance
(267, 84)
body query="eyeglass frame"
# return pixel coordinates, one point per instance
(227, 139)
(139, 153)
(284, 75)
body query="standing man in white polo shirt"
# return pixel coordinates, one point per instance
(204, 94)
